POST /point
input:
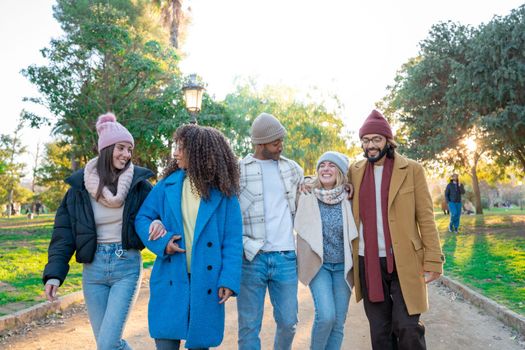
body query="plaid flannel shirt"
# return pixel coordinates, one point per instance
(252, 203)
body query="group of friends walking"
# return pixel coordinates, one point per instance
(222, 228)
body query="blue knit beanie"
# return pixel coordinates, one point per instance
(339, 159)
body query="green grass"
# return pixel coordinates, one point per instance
(488, 255)
(22, 220)
(504, 211)
(23, 255)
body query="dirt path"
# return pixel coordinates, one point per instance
(451, 324)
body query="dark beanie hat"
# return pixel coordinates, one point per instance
(376, 124)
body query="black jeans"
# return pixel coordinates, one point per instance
(170, 344)
(391, 327)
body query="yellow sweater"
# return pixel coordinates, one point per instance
(190, 208)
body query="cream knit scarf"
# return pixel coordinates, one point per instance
(108, 199)
(333, 196)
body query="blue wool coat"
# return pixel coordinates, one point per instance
(177, 311)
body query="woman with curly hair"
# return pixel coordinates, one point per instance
(199, 253)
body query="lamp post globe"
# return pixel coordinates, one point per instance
(193, 91)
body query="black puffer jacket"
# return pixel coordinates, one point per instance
(453, 192)
(75, 229)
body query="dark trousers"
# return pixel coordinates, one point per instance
(391, 327)
(170, 344)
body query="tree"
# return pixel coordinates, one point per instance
(311, 128)
(466, 83)
(493, 85)
(174, 19)
(11, 148)
(52, 172)
(114, 56)
(434, 128)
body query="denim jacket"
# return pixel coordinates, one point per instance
(252, 203)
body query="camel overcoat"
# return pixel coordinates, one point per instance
(415, 239)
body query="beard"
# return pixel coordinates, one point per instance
(271, 155)
(382, 153)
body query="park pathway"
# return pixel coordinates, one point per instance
(451, 324)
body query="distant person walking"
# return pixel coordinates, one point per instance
(453, 194)
(95, 220)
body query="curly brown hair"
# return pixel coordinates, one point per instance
(211, 162)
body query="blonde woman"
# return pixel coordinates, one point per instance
(325, 228)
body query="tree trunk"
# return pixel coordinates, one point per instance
(475, 184)
(176, 20)
(35, 167)
(74, 162)
(10, 211)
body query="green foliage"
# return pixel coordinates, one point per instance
(311, 128)
(11, 148)
(114, 56)
(53, 170)
(494, 81)
(466, 83)
(418, 99)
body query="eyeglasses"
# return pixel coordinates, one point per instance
(376, 140)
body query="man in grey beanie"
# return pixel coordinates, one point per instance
(269, 186)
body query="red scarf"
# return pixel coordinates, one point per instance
(367, 213)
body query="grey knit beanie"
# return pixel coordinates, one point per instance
(266, 128)
(339, 159)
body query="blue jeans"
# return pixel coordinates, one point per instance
(110, 284)
(331, 296)
(276, 271)
(455, 213)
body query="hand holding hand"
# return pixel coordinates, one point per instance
(224, 294)
(156, 230)
(172, 247)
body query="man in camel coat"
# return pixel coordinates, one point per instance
(398, 251)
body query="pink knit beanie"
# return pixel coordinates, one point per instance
(376, 124)
(110, 131)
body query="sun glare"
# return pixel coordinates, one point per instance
(471, 144)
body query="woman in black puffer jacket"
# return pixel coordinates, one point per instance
(96, 220)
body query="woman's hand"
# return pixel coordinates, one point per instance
(51, 292)
(156, 230)
(172, 247)
(224, 294)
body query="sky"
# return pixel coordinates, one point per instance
(348, 48)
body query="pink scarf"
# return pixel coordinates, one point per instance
(108, 199)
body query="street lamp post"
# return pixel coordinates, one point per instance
(193, 92)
